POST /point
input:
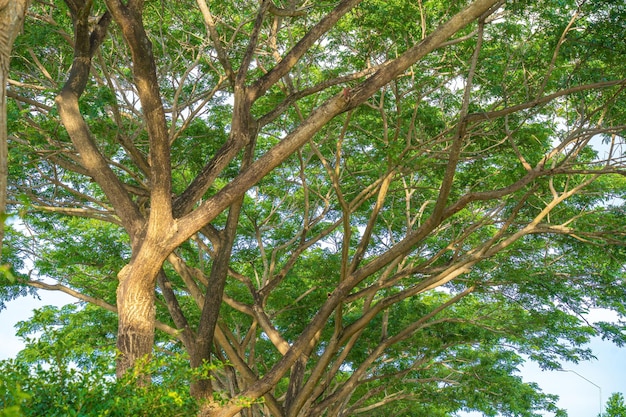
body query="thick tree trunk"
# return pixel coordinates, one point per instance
(136, 307)
(11, 18)
(135, 294)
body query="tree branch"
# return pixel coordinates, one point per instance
(293, 56)
(130, 20)
(95, 301)
(490, 115)
(67, 102)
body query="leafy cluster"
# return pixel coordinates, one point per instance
(403, 259)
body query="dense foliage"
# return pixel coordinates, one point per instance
(615, 406)
(324, 208)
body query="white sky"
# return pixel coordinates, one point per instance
(578, 396)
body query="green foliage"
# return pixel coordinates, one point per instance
(51, 389)
(13, 399)
(455, 238)
(615, 406)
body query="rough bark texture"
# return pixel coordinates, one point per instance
(11, 18)
(136, 312)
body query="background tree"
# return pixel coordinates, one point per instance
(11, 18)
(615, 406)
(330, 209)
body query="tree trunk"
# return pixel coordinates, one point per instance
(135, 304)
(11, 18)
(136, 307)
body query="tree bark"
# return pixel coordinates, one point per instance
(202, 388)
(136, 308)
(136, 312)
(135, 294)
(12, 14)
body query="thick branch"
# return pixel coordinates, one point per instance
(67, 102)
(144, 70)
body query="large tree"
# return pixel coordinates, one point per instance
(332, 208)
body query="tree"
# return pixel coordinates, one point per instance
(332, 209)
(11, 18)
(615, 406)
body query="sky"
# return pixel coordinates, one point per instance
(581, 389)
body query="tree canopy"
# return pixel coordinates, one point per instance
(615, 406)
(297, 208)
